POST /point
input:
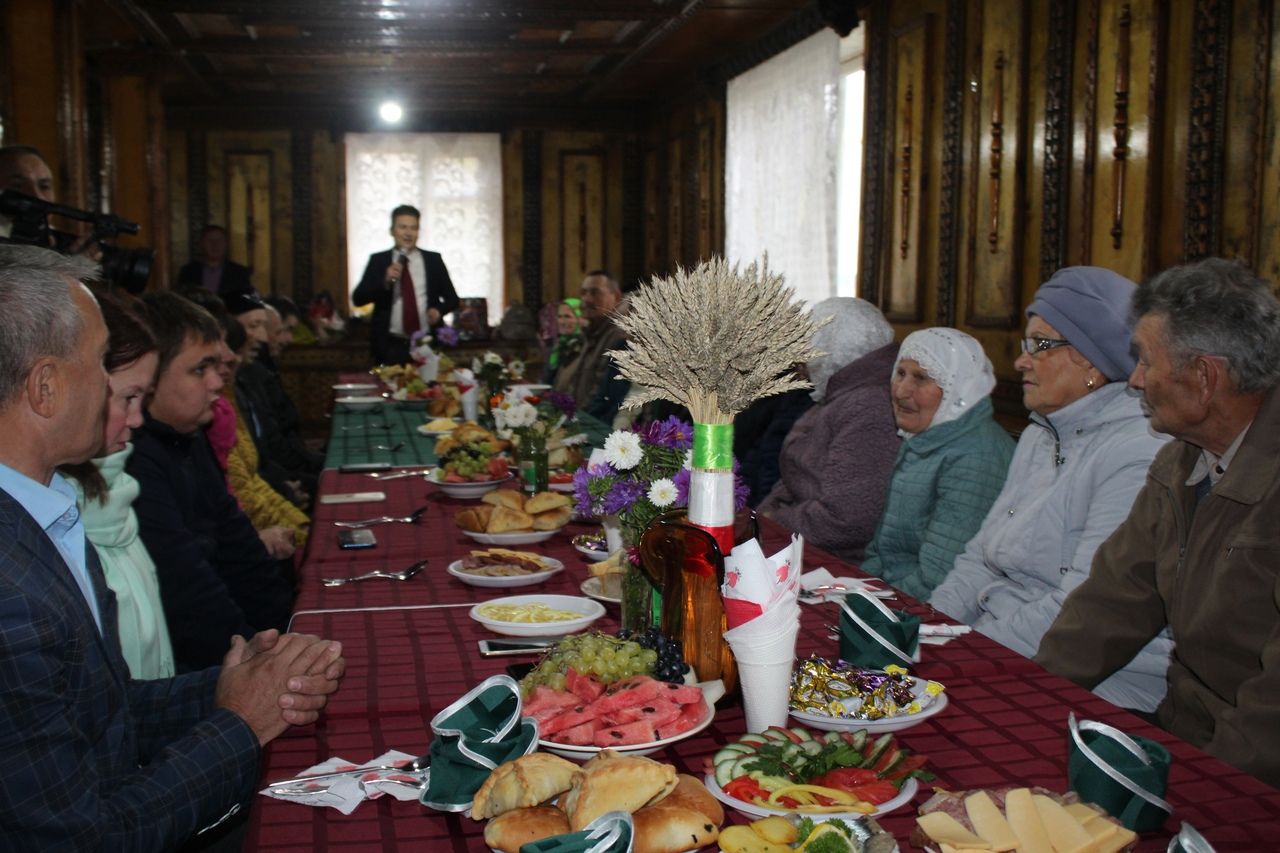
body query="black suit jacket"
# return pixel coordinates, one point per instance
(235, 278)
(373, 288)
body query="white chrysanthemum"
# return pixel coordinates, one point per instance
(574, 440)
(515, 367)
(520, 415)
(504, 434)
(475, 365)
(662, 493)
(491, 357)
(622, 450)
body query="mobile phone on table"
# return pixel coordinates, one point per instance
(353, 497)
(499, 648)
(362, 538)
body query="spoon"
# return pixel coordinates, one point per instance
(417, 765)
(402, 575)
(412, 518)
(392, 448)
(363, 427)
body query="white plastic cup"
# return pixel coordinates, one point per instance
(766, 692)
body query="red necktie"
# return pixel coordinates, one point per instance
(408, 302)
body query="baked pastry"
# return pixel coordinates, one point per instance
(509, 498)
(509, 831)
(543, 501)
(611, 782)
(507, 520)
(691, 793)
(552, 519)
(475, 519)
(672, 829)
(528, 781)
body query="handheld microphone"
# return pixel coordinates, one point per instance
(403, 260)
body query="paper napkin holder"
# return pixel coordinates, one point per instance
(873, 636)
(1124, 774)
(612, 832)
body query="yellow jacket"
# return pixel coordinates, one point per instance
(264, 505)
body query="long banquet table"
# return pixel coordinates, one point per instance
(411, 650)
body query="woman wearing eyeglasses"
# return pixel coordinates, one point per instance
(1074, 475)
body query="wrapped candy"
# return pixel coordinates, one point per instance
(820, 686)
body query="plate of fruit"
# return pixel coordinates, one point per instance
(596, 691)
(791, 771)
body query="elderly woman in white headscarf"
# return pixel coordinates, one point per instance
(836, 460)
(952, 463)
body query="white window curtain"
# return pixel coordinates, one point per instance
(455, 179)
(781, 147)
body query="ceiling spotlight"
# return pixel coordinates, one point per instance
(390, 112)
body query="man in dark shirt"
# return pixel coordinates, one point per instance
(216, 577)
(213, 271)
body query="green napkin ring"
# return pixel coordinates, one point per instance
(872, 636)
(1123, 774)
(472, 737)
(610, 833)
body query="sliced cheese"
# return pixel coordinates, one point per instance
(1083, 812)
(1109, 837)
(987, 821)
(944, 829)
(1025, 821)
(1067, 834)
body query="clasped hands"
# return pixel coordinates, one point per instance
(277, 680)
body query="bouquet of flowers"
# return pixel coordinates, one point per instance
(645, 473)
(495, 374)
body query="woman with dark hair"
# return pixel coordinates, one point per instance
(105, 495)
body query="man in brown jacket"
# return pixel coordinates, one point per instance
(1200, 550)
(592, 376)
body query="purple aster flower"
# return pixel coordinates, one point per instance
(447, 336)
(681, 480)
(582, 492)
(677, 433)
(562, 401)
(622, 496)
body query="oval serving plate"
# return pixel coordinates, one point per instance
(908, 791)
(590, 611)
(505, 581)
(712, 691)
(930, 707)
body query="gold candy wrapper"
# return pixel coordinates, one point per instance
(819, 686)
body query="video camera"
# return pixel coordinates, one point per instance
(124, 268)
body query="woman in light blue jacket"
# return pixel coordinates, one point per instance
(951, 464)
(1075, 472)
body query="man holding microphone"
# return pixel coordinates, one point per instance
(410, 290)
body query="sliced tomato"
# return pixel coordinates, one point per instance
(887, 758)
(906, 767)
(842, 778)
(874, 792)
(746, 789)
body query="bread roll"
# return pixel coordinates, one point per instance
(475, 519)
(616, 783)
(511, 830)
(543, 501)
(552, 519)
(691, 793)
(527, 781)
(507, 520)
(509, 498)
(672, 829)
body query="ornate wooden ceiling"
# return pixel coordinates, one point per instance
(447, 61)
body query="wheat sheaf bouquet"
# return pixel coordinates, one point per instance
(715, 339)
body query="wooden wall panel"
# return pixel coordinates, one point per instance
(906, 167)
(248, 185)
(584, 213)
(180, 245)
(1126, 183)
(328, 220)
(226, 152)
(1267, 233)
(994, 235)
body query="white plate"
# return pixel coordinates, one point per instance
(465, 490)
(455, 569)
(931, 707)
(519, 537)
(711, 693)
(594, 588)
(591, 554)
(360, 404)
(904, 796)
(355, 388)
(590, 610)
(561, 487)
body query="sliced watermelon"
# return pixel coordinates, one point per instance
(544, 703)
(583, 735)
(573, 717)
(632, 733)
(585, 686)
(498, 467)
(681, 694)
(628, 693)
(690, 717)
(658, 712)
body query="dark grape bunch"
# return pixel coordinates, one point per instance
(670, 665)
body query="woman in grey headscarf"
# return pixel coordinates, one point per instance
(836, 461)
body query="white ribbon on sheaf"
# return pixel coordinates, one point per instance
(1115, 775)
(892, 648)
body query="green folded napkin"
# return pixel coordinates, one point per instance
(1124, 774)
(472, 737)
(609, 833)
(872, 636)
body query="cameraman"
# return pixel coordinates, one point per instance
(23, 169)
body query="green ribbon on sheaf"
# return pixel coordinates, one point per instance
(713, 447)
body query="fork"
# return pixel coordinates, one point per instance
(412, 518)
(402, 575)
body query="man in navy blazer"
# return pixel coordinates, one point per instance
(403, 278)
(90, 759)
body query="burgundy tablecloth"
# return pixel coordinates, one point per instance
(1006, 723)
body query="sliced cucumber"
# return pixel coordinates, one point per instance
(813, 747)
(777, 734)
(734, 750)
(754, 740)
(859, 739)
(832, 737)
(725, 772)
(802, 733)
(740, 767)
(876, 750)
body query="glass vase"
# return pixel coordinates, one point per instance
(534, 470)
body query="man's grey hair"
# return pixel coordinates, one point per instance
(1217, 307)
(37, 315)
